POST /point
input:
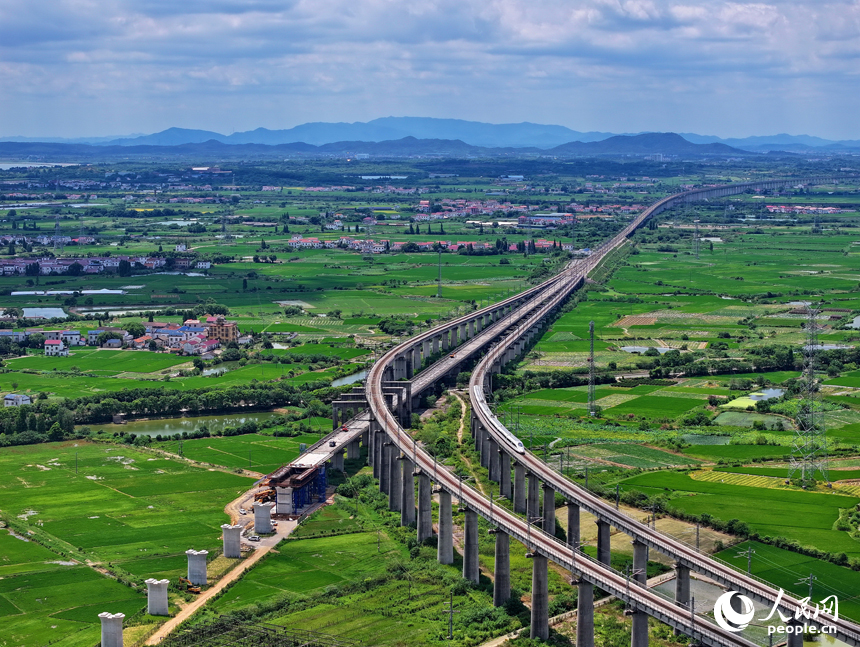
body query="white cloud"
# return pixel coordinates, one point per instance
(80, 66)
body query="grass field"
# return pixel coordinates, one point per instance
(101, 361)
(122, 505)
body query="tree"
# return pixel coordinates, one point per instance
(36, 341)
(11, 249)
(135, 329)
(55, 433)
(244, 284)
(75, 269)
(124, 268)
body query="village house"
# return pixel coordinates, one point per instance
(56, 348)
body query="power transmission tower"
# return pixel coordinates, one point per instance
(810, 442)
(591, 406)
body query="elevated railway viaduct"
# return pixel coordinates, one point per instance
(497, 335)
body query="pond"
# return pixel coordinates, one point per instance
(766, 394)
(171, 426)
(350, 379)
(705, 596)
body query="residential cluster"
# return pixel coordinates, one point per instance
(193, 337)
(95, 265)
(370, 246)
(802, 208)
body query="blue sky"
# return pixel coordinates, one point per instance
(109, 67)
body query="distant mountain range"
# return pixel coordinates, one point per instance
(471, 133)
(634, 145)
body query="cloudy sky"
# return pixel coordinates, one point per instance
(110, 67)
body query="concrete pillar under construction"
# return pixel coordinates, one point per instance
(639, 630)
(407, 502)
(425, 508)
(640, 562)
(111, 629)
(502, 572)
(445, 546)
(232, 540)
(533, 503)
(197, 566)
(604, 552)
(494, 464)
(540, 598)
(263, 518)
(471, 567)
(548, 509)
(395, 485)
(504, 474)
(156, 597)
(682, 585)
(519, 488)
(573, 536)
(585, 614)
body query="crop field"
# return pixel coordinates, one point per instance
(45, 599)
(121, 505)
(251, 451)
(101, 361)
(807, 517)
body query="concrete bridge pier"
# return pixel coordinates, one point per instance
(463, 334)
(425, 509)
(197, 566)
(337, 460)
(573, 535)
(446, 344)
(604, 552)
(382, 450)
(425, 349)
(407, 503)
(156, 597)
(504, 474)
(540, 598)
(111, 629)
(793, 639)
(585, 614)
(471, 567)
(262, 518)
(353, 450)
(471, 328)
(519, 488)
(395, 488)
(682, 585)
(533, 503)
(640, 562)
(494, 463)
(445, 546)
(416, 359)
(436, 345)
(502, 569)
(639, 632)
(485, 448)
(232, 541)
(548, 510)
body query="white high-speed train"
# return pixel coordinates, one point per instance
(511, 441)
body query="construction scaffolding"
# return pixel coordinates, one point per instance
(809, 457)
(228, 630)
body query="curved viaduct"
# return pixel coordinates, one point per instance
(497, 335)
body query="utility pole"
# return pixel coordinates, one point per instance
(808, 580)
(450, 611)
(748, 553)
